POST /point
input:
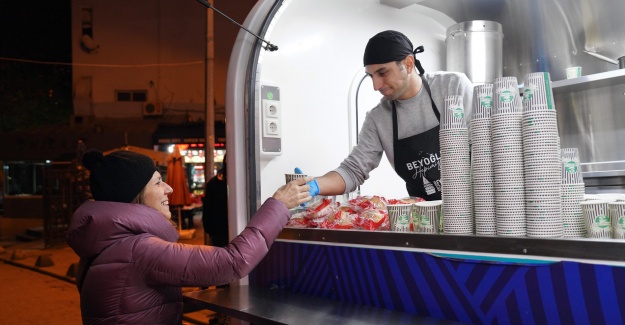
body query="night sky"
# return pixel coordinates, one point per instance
(36, 30)
(36, 92)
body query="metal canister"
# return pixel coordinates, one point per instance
(475, 48)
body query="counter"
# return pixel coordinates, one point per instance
(275, 306)
(523, 249)
(469, 279)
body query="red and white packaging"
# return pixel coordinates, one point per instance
(373, 219)
(319, 209)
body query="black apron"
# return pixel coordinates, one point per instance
(417, 157)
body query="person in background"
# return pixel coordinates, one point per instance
(215, 221)
(404, 125)
(215, 208)
(131, 268)
(81, 147)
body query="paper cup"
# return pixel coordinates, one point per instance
(400, 216)
(596, 214)
(426, 217)
(573, 72)
(482, 101)
(505, 95)
(617, 216)
(292, 177)
(537, 94)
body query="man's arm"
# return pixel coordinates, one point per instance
(331, 184)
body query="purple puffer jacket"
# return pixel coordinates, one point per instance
(137, 277)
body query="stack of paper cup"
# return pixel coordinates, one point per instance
(572, 192)
(597, 217)
(455, 162)
(426, 217)
(507, 149)
(482, 161)
(571, 167)
(542, 157)
(400, 216)
(617, 216)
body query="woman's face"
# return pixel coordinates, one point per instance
(155, 195)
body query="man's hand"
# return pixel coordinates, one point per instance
(314, 187)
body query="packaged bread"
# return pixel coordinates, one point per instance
(368, 202)
(297, 221)
(373, 219)
(319, 209)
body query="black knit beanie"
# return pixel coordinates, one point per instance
(390, 46)
(119, 176)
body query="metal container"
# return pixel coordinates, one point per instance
(475, 48)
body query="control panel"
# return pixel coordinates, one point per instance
(271, 120)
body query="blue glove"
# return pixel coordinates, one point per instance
(314, 187)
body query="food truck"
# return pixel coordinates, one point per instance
(297, 96)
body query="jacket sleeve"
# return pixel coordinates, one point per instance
(175, 264)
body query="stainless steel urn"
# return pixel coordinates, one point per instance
(475, 48)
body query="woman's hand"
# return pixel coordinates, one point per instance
(294, 193)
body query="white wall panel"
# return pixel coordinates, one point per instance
(318, 67)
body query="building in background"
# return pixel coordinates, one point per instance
(137, 68)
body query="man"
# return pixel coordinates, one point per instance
(404, 125)
(215, 208)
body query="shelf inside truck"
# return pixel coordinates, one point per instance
(597, 80)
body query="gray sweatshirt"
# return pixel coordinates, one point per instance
(414, 116)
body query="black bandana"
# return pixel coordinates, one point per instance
(390, 46)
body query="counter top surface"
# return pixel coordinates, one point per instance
(278, 306)
(533, 250)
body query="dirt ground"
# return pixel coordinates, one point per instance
(28, 297)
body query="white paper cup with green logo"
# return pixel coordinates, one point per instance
(571, 171)
(537, 94)
(597, 217)
(426, 217)
(573, 72)
(399, 216)
(617, 216)
(482, 101)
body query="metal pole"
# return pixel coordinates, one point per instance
(210, 95)
(209, 145)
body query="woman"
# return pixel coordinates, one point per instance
(131, 267)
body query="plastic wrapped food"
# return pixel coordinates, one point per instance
(368, 202)
(297, 221)
(373, 219)
(319, 209)
(341, 219)
(408, 200)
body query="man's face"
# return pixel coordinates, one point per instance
(390, 79)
